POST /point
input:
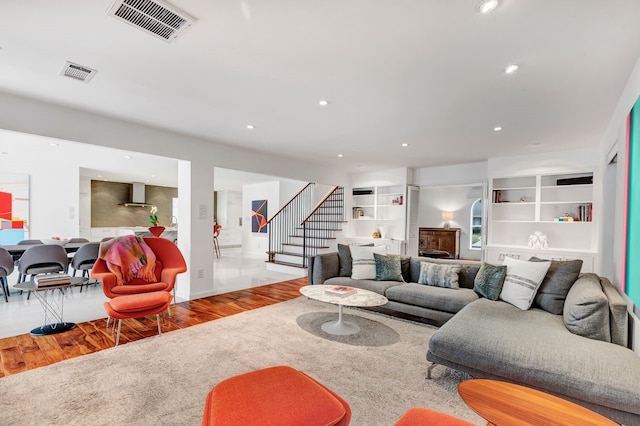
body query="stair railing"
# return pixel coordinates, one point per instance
(322, 222)
(284, 223)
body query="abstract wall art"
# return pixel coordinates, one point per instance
(259, 216)
(631, 249)
(14, 208)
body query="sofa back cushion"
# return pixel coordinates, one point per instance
(325, 266)
(388, 268)
(556, 284)
(586, 309)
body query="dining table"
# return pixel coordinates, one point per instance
(19, 249)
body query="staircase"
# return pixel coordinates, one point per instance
(299, 230)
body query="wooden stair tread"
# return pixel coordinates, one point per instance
(293, 265)
(300, 245)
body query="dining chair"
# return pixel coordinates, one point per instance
(216, 233)
(25, 243)
(42, 259)
(84, 259)
(6, 268)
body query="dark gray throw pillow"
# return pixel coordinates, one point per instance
(489, 280)
(556, 284)
(344, 254)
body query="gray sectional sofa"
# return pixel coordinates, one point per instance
(580, 355)
(434, 305)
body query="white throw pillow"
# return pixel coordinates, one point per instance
(522, 281)
(363, 263)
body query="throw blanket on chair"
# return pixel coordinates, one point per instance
(129, 257)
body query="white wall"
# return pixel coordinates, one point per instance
(55, 185)
(451, 175)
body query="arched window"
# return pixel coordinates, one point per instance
(475, 236)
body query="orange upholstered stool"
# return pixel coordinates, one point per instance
(274, 396)
(423, 416)
(136, 306)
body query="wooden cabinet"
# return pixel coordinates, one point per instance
(434, 240)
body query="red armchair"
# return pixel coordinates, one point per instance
(169, 263)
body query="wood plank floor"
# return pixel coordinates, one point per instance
(25, 352)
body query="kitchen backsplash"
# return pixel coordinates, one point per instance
(106, 210)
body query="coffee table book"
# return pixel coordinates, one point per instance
(340, 290)
(44, 280)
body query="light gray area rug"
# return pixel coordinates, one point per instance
(165, 380)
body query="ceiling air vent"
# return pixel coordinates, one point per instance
(153, 17)
(78, 72)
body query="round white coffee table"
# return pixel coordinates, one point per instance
(361, 298)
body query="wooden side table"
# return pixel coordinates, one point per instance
(502, 403)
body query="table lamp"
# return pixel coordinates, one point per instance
(447, 216)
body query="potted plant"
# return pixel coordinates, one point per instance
(155, 229)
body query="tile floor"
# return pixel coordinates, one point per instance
(234, 270)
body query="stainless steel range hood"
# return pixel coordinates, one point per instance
(137, 198)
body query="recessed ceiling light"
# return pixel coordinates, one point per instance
(487, 6)
(153, 175)
(510, 69)
(99, 176)
(323, 102)
(250, 126)
(340, 155)
(405, 144)
(53, 144)
(497, 129)
(127, 157)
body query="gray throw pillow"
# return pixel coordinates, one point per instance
(489, 280)
(325, 266)
(405, 265)
(388, 268)
(586, 309)
(556, 284)
(439, 275)
(344, 254)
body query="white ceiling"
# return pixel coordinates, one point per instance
(429, 73)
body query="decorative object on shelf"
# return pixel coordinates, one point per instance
(375, 234)
(382, 231)
(157, 230)
(153, 216)
(538, 241)
(523, 199)
(447, 217)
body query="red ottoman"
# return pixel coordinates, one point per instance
(136, 306)
(423, 416)
(274, 396)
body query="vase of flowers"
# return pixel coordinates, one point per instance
(155, 229)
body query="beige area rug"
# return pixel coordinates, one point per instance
(165, 380)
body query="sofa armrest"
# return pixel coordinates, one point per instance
(325, 266)
(618, 315)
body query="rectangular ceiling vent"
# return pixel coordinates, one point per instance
(78, 72)
(156, 17)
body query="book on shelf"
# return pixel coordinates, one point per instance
(43, 280)
(340, 290)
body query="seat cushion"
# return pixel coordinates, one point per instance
(432, 297)
(140, 302)
(276, 395)
(139, 288)
(379, 287)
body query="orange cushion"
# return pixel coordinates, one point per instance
(276, 395)
(139, 288)
(423, 416)
(140, 302)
